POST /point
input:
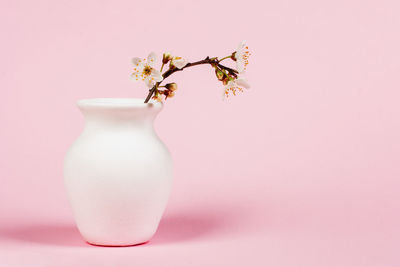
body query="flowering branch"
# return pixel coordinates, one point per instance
(145, 71)
(207, 60)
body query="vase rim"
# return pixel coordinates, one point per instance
(117, 103)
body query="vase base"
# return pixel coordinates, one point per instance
(122, 245)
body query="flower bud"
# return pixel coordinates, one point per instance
(170, 93)
(171, 86)
(219, 74)
(166, 57)
(233, 56)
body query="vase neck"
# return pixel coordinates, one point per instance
(114, 112)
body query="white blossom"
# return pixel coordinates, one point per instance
(234, 86)
(144, 70)
(242, 57)
(179, 62)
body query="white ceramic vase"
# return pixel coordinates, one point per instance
(118, 173)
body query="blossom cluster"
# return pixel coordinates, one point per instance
(232, 78)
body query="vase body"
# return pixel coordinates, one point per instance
(118, 173)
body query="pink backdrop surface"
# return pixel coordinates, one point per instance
(303, 170)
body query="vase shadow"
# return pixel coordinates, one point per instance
(173, 228)
(46, 234)
(184, 227)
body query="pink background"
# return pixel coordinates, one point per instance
(303, 170)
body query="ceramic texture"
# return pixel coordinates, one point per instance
(118, 173)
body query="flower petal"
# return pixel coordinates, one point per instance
(179, 62)
(152, 59)
(240, 65)
(241, 45)
(149, 82)
(156, 75)
(242, 82)
(136, 61)
(139, 68)
(135, 76)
